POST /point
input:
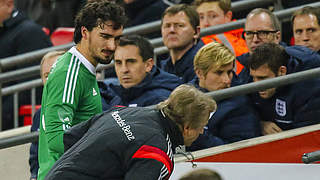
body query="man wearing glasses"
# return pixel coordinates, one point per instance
(261, 27)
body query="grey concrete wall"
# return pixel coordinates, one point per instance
(14, 163)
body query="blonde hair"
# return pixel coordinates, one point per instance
(212, 55)
(185, 104)
(49, 55)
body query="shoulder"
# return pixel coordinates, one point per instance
(243, 59)
(164, 63)
(165, 80)
(302, 53)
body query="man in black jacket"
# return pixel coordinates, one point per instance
(134, 142)
(18, 35)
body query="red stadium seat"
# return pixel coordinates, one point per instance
(62, 35)
(292, 41)
(25, 111)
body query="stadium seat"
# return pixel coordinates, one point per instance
(292, 42)
(62, 35)
(25, 111)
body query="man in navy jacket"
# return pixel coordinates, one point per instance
(262, 26)
(180, 32)
(141, 83)
(286, 107)
(235, 118)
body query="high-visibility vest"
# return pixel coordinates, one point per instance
(233, 40)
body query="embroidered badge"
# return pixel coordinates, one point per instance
(281, 107)
(94, 92)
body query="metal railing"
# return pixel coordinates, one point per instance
(35, 56)
(6, 63)
(283, 15)
(217, 95)
(212, 30)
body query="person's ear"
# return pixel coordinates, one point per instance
(228, 16)
(282, 71)
(186, 131)
(278, 37)
(84, 33)
(149, 64)
(200, 74)
(196, 33)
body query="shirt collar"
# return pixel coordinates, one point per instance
(84, 61)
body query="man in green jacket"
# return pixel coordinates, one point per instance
(71, 94)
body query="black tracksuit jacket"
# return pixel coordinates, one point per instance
(122, 143)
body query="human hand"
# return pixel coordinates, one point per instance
(269, 127)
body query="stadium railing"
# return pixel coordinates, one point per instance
(8, 62)
(35, 56)
(219, 95)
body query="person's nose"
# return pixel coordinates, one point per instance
(305, 36)
(172, 28)
(226, 78)
(206, 22)
(255, 38)
(111, 44)
(124, 68)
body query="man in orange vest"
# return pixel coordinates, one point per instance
(215, 12)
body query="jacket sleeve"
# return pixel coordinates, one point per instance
(152, 160)
(241, 123)
(235, 120)
(205, 140)
(74, 134)
(59, 110)
(33, 159)
(306, 107)
(32, 38)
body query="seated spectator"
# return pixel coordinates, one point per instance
(306, 27)
(180, 32)
(286, 107)
(235, 118)
(262, 26)
(36, 10)
(141, 83)
(202, 174)
(18, 34)
(134, 142)
(46, 63)
(216, 12)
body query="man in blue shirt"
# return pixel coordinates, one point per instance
(262, 26)
(286, 107)
(140, 82)
(180, 32)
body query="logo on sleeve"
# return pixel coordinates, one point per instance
(281, 107)
(94, 92)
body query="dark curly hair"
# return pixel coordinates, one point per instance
(274, 55)
(95, 14)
